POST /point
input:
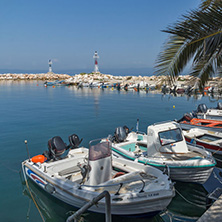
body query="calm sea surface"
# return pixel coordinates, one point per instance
(29, 111)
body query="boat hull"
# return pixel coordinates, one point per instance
(187, 126)
(134, 205)
(185, 171)
(215, 149)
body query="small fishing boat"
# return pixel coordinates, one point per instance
(57, 83)
(203, 112)
(211, 141)
(83, 174)
(164, 147)
(187, 123)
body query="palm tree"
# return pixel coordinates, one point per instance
(196, 38)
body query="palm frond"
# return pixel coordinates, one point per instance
(198, 37)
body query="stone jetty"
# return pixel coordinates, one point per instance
(158, 81)
(40, 76)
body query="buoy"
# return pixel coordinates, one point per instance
(38, 159)
(37, 84)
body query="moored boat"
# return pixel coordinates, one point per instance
(164, 147)
(56, 83)
(84, 173)
(187, 123)
(211, 141)
(203, 112)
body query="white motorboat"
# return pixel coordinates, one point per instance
(203, 112)
(164, 146)
(84, 173)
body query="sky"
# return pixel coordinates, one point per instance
(126, 33)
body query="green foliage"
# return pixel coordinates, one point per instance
(197, 38)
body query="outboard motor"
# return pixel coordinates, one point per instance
(120, 134)
(202, 108)
(126, 129)
(56, 147)
(74, 141)
(187, 116)
(194, 114)
(219, 105)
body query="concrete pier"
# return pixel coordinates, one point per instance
(214, 213)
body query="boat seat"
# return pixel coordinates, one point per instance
(69, 170)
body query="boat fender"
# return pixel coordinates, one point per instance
(118, 174)
(38, 159)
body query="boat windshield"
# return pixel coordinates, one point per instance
(100, 151)
(170, 136)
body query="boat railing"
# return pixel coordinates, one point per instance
(196, 145)
(94, 201)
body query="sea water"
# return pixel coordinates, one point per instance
(29, 111)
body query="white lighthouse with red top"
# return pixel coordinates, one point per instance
(96, 68)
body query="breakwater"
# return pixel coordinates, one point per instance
(39, 76)
(158, 81)
(75, 79)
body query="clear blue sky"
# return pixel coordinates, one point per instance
(126, 33)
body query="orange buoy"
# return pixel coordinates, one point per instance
(38, 159)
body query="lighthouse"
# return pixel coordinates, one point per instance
(96, 68)
(50, 66)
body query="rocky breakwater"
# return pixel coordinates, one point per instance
(40, 76)
(157, 81)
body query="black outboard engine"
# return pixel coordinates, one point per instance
(202, 108)
(126, 129)
(219, 105)
(120, 134)
(187, 116)
(74, 141)
(56, 147)
(194, 114)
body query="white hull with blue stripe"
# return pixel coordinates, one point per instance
(136, 191)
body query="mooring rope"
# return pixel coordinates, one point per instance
(198, 205)
(216, 177)
(13, 170)
(33, 199)
(219, 160)
(27, 185)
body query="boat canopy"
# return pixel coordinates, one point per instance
(165, 138)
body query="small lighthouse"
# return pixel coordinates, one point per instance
(50, 66)
(96, 68)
